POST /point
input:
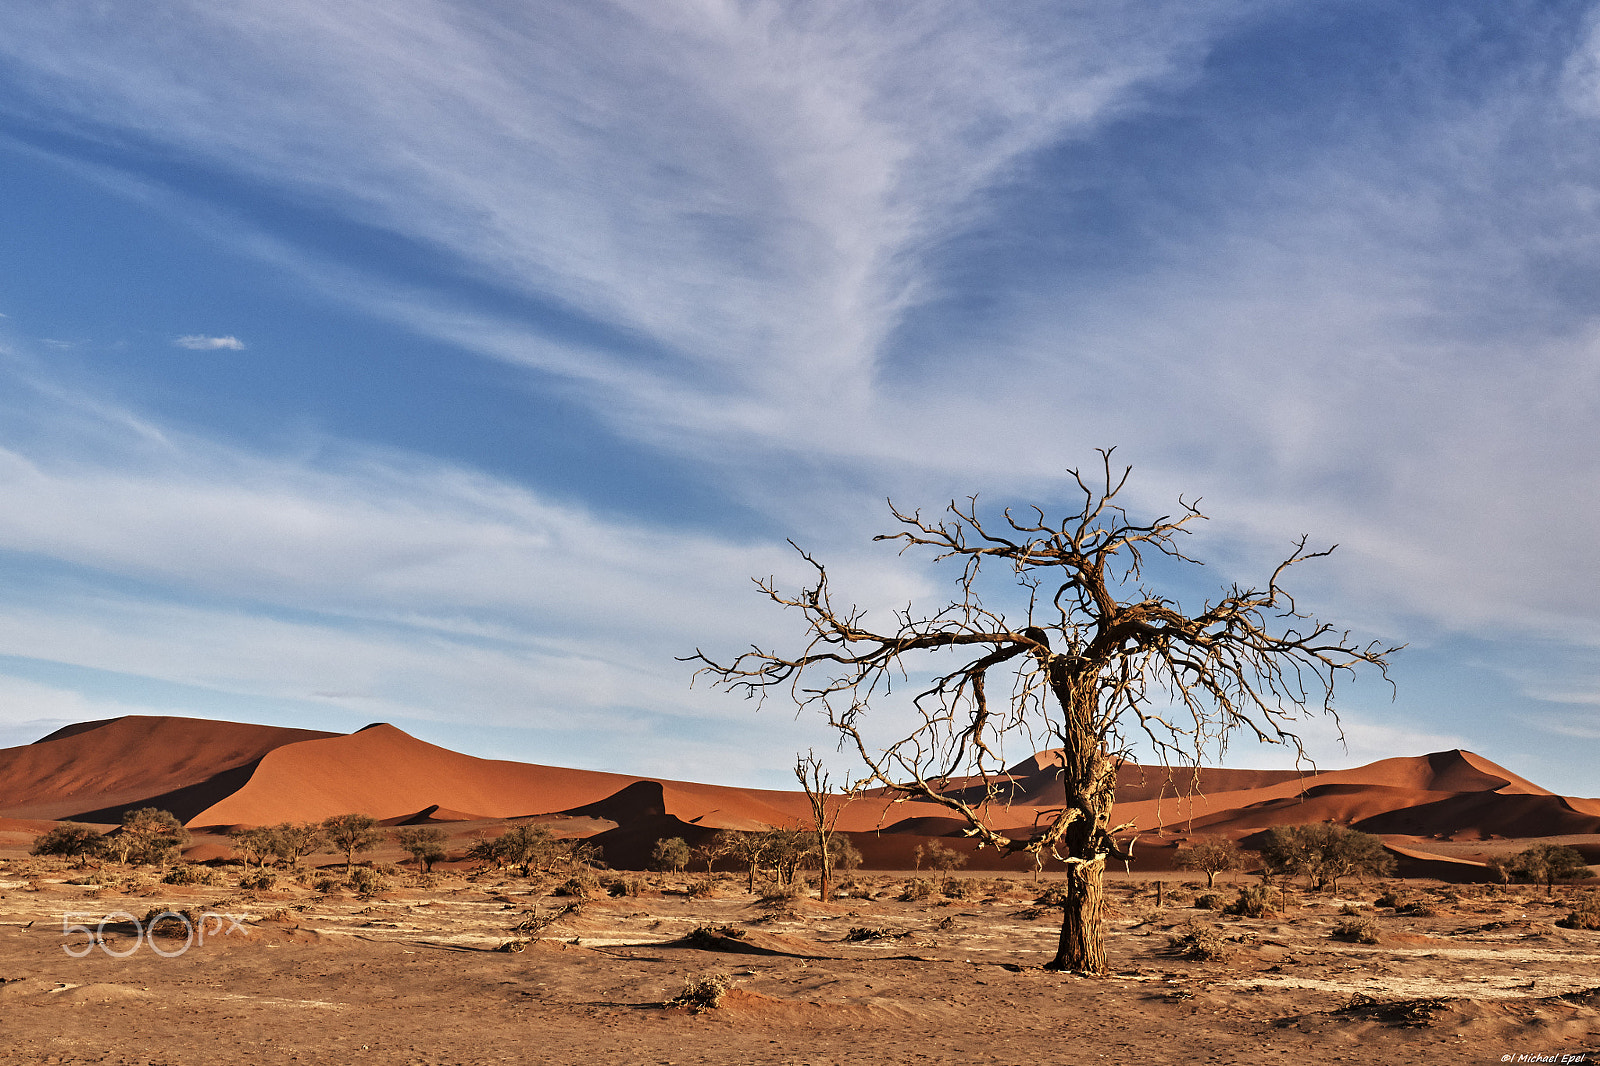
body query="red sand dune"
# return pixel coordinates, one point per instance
(226, 774)
(88, 768)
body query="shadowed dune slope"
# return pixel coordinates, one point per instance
(385, 772)
(106, 767)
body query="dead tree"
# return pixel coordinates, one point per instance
(1098, 660)
(824, 815)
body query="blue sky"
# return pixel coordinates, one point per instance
(456, 365)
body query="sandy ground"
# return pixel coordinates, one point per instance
(414, 977)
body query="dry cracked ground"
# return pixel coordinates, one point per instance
(420, 975)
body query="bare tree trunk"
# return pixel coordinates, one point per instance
(1082, 948)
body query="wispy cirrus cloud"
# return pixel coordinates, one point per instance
(1334, 275)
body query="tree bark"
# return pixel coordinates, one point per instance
(1082, 948)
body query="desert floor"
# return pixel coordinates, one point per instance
(413, 976)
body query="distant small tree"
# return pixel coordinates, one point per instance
(150, 835)
(258, 844)
(670, 855)
(530, 846)
(350, 834)
(1324, 852)
(292, 841)
(71, 839)
(749, 849)
(845, 855)
(486, 851)
(786, 850)
(425, 843)
(1549, 863)
(1211, 855)
(714, 848)
(938, 857)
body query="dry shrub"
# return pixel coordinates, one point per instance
(703, 993)
(1353, 910)
(618, 887)
(712, 936)
(1054, 896)
(1392, 897)
(1584, 918)
(1360, 930)
(1255, 901)
(1208, 901)
(259, 880)
(189, 873)
(580, 886)
(702, 888)
(866, 932)
(169, 924)
(917, 889)
(1198, 940)
(1416, 908)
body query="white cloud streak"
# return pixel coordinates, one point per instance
(199, 342)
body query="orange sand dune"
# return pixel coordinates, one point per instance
(94, 767)
(225, 774)
(389, 774)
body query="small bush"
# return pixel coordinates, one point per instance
(1054, 896)
(1417, 909)
(169, 924)
(618, 887)
(1392, 897)
(858, 933)
(711, 936)
(260, 880)
(189, 873)
(1198, 940)
(1360, 930)
(961, 888)
(1208, 901)
(703, 993)
(1353, 910)
(916, 889)
(579, 887)
(1255, 901)
(702, 888)
(323, 884)
(1586, 916)
(368, 882)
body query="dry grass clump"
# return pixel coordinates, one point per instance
(1198, 940)
(190, 873)
(1585, 915)
(712, 936)
(1359, 930)
(1208, 901)
(703, 993)
(259, 880)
